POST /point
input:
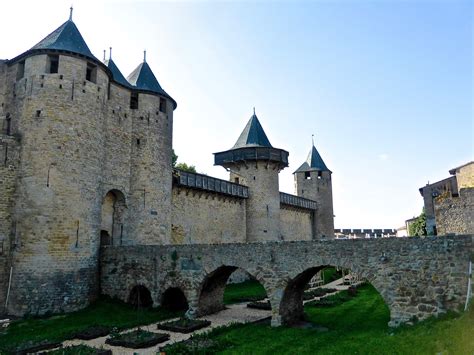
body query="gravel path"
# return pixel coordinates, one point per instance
(236, 313)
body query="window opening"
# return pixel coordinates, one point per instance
(134, 100)
(91, 72)
(53, 64)
(20, 72)
(162, 105)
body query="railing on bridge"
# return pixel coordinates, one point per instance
(208, 183)
(296, 201)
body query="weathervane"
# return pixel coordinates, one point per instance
(70, 13)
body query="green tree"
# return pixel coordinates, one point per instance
(186, 167)
(418, 227)
(174, 158)
(181, 166)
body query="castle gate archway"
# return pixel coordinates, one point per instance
(112, 218)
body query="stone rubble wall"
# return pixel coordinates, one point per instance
(77, 140)
(413, 284)
(455, 215)
(296, 223)
(202, 217)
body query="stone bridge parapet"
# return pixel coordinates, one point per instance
(417, 277)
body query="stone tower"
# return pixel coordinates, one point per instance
(253, 162)
(313, 181)
(86, 154)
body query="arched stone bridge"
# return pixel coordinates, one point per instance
(417, 277)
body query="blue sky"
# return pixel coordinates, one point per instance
(385, 86)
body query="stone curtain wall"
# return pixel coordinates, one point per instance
(200, 217)
(296, 223)
(417, 277)
(9, 160)
(78, 140)
(455, 214)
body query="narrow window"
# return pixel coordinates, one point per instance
(53, 64)
(138, 141)
(320, 174)
(38, 113)
(134, 100)
(236, 180)
(91, 72)
(307, 175)
(20, 72)
(8, 128)
(162, 105)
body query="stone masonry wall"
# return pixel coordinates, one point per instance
(413, 284)
(455, 214)
(319, 189)
(263, 204)
(296, 223)
(78, 141)
(200, 217)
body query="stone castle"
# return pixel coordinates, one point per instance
(86, 161)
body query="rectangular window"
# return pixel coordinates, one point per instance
(134, 100)
(320, 174)
(53, 64)
(91, 72)
(307, 175)
(162, 105)
(20, 72)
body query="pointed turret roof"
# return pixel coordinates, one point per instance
(116, 73)
(252, 145)
(253, 135)
(314, 162)
(66, 38)
(142, 78)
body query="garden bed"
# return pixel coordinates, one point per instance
(137, 339)
(79, 350)
(184, 325)
(266, 306)
(317, 292)
(92, 333)
(33, 347)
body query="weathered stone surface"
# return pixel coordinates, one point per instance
(401, 269)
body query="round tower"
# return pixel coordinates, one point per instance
(151, 166)
(253, 162)
(313, 181)
(55, 97)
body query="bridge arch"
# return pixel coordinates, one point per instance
(211, 289)
(174, 299)
(140, 297)
(291, 308)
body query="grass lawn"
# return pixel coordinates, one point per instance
(244, 291)
(357, 326)
(104, 312)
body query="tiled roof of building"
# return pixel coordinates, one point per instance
(142, 78)
(314, 162)
(116, 73)
(65, 38)
(253, 135)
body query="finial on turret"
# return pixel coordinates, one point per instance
(254, 111)
(312, 139)
(144, 56)
(70, 13)
(104, 56)
(110, 53)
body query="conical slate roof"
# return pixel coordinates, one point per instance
(116, 73)
(253, 135)
(314, 162)
(142, 78)
(66, 38)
